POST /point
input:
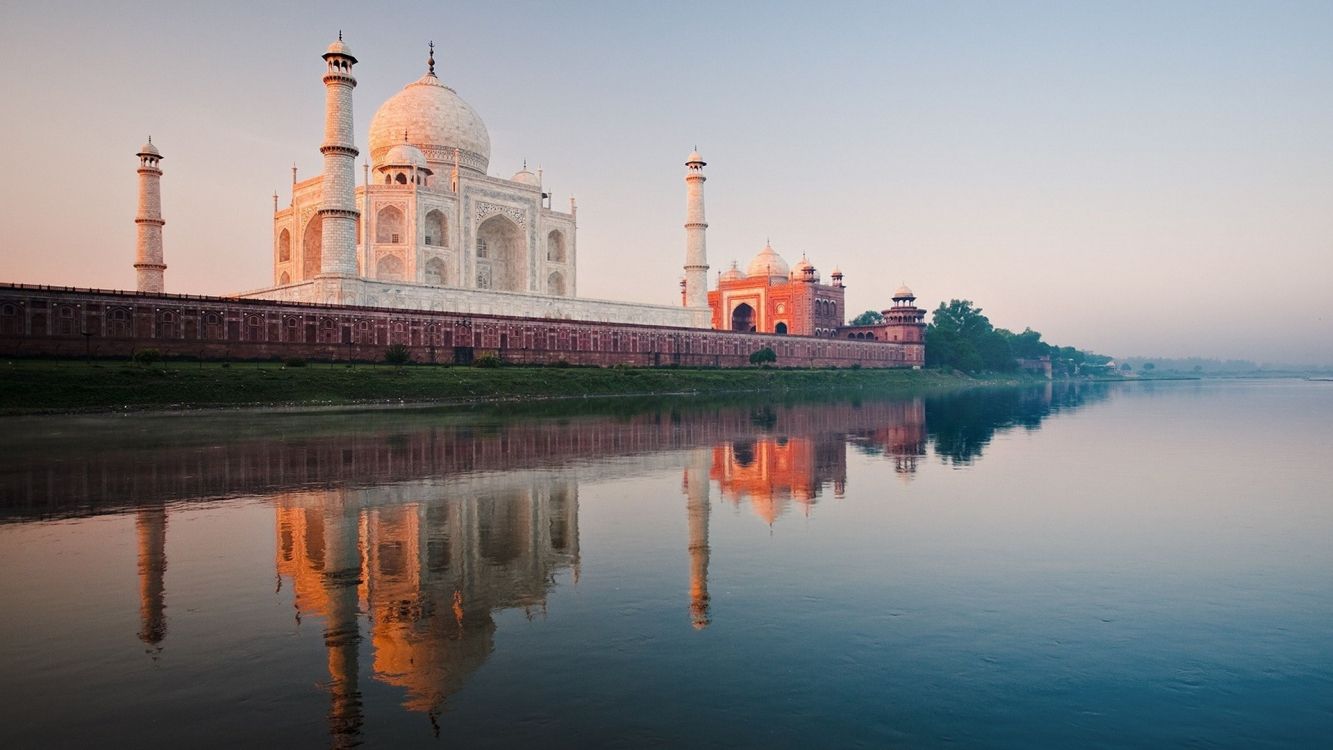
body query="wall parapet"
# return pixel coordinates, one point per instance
(47, 321)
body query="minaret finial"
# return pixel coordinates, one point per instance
(340, 35)
(404, 135)
(430, 60)
(150, 139)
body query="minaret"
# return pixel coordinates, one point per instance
(337, 208)
(697, 510)
(696, 254)
(148, 265)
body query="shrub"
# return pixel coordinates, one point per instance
(147, 356)
(293, 362)
(856, 365)
(486, 360)
(764, 356)
(397, 354)
(560, 363)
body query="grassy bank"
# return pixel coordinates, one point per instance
(34, 386)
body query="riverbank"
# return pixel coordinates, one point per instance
(58, 386)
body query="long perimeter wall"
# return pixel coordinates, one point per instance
(42, 321)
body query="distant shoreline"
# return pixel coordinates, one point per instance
(29, 387)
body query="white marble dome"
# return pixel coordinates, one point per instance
(767, 263)
(148, 149)
(437, 121)
(904, 293)
(732, 274)
(526, 177)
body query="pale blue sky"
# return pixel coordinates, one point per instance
(1134, 178)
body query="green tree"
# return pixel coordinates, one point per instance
(764, 356)
(868, 318)
(147, 357)
(398, 354)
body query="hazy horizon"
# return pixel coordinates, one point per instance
(1137, 179)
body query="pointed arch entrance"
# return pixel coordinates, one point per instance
(742, 318)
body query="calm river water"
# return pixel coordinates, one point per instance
(1134, 565)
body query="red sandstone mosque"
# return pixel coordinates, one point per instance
(434, 253)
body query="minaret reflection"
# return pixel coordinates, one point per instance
(150, 525)
(319, 548)
(696, 484)
(428, 567)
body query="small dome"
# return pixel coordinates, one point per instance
(803, 268)
(526, 177)
(904, 293)
(148, 149)
(405, 155)
(732, 274)
(836, 271)
(695, 158)
(767, 263)
(338, 48)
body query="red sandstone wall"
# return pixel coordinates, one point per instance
(66, 322)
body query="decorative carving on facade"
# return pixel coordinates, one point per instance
(485, 210)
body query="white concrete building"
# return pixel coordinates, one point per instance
(431, 229)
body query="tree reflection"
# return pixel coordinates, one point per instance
(961, 425)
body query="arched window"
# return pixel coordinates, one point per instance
(555, 284)
(780, 329)
(435, 226)
(388, 179)
(401, 179)
(389, 226)
(482, 250)
(435, 272)
(389, 268)
(284, 246)
(311, 244)
(555, 247)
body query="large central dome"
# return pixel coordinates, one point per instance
(435, 120)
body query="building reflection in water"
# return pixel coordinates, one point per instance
(405, 540)
(428, 574)
(150, 527)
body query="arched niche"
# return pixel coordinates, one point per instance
(507, 254)
(389, 268)
(555, 284)
(555, 247)
(312, 243)
(284, 246)
(436, 225)
(435, 272)
(389, 229)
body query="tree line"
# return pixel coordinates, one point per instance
(960, 337)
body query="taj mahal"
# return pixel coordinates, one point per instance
(429, 251)
(428, 227)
